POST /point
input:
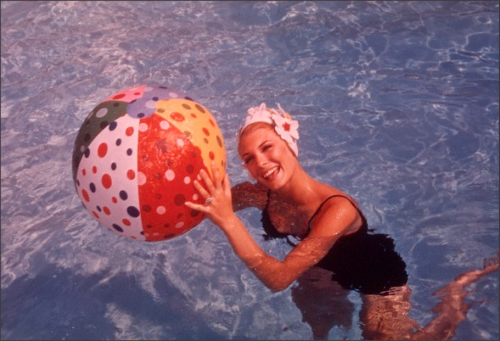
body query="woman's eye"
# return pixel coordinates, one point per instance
(267, 147)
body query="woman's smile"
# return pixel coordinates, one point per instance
(271, 174)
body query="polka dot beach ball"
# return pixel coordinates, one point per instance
(136, 156)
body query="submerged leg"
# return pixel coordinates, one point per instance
(386, 317)
(322, 302)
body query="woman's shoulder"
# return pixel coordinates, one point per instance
(336, 211)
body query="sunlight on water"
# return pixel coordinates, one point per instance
(398, 107)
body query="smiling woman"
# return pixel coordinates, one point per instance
(258, 153)
(322, 214)
(335, 251)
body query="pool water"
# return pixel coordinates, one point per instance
(398, 107)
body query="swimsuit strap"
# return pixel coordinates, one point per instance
(331, 197)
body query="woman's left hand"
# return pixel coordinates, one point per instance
(218, 201)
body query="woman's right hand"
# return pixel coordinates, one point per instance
(217, 195)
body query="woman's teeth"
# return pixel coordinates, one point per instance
(270, 172)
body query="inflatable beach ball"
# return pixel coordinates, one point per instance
(136, 156)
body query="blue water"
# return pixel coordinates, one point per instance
(397, 104)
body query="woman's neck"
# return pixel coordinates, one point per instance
(301, 190)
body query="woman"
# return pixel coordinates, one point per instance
(317, 214)
(335, 251)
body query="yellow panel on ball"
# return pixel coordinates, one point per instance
(199, 126)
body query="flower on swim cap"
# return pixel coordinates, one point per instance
(282, 122)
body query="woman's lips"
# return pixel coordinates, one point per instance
(271, 174)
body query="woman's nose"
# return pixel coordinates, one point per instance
(261, 160)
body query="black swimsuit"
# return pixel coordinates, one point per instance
(360, 261)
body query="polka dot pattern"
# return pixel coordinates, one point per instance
(164, 194)
(128, 95)
(99, 183)
(103, 115)
(135, 159)
(146, 105)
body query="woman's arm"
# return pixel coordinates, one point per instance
(275, 274)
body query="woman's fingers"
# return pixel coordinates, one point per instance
(217, 182)
(215, 195)
(215, 172)
(226, 185)
(196, 207)
(208, 182)
(203, 192)
(211, 190)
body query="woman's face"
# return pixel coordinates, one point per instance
(266, 156)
